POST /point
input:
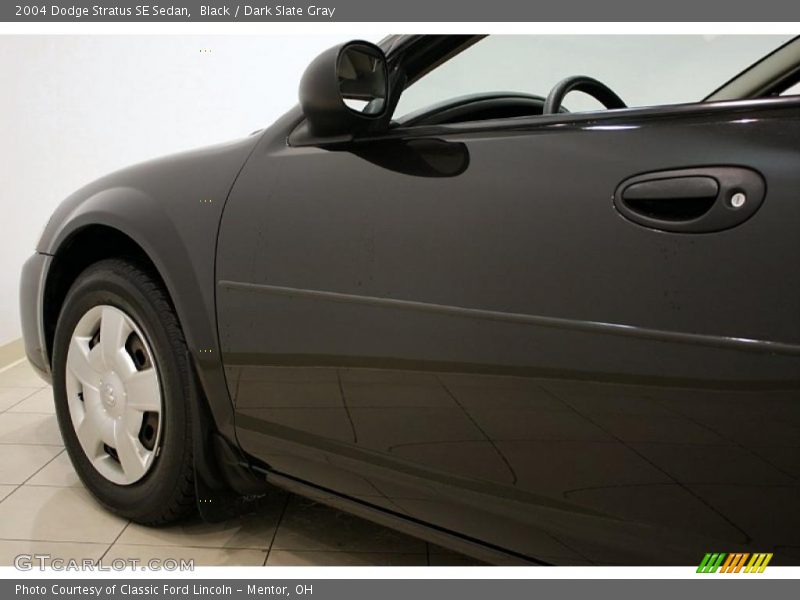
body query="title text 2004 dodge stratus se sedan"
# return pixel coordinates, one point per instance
(530, 333)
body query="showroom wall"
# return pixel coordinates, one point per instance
(73, 108)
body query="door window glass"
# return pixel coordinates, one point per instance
(643, 70)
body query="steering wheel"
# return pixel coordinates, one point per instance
(581, 83)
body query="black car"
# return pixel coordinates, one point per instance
(529, 334)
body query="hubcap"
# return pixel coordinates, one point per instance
(114, 394)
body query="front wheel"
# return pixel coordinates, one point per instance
(123, 393)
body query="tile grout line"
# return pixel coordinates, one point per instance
(42, 467)
(19, 485)
(35, 391)
(277, 526)
(11, 493)
(111, 545)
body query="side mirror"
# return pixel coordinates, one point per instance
(345, 89)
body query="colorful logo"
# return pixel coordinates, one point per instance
(735, 562)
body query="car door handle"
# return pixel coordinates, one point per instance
(696, 200)
(673, 198)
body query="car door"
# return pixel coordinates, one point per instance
(470, 326)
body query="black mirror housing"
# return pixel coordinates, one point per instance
(345, 90)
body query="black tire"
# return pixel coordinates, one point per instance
(167, 492)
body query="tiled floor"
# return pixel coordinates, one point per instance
(44, 509)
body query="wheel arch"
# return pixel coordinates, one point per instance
(129, 222)
(220, 467)
(82, 248)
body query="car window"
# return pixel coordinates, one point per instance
(643, 70)
(792, 91)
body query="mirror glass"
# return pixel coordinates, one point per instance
(362, 79)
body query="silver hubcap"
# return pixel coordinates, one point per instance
(114, 394)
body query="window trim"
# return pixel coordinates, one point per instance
(621, 119)
(764, 77)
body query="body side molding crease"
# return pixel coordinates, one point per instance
(697, 339)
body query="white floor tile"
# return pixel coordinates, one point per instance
(29, 428)
(5, 490)
(58, 472)
(40, 401)
(9, 396)
(56, 514)
(18, 463)
(21, 375)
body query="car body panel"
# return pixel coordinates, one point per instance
(171, 207)
(31, 295)
(450, 328)
(482, 343)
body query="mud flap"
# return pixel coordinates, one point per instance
(225, 484)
